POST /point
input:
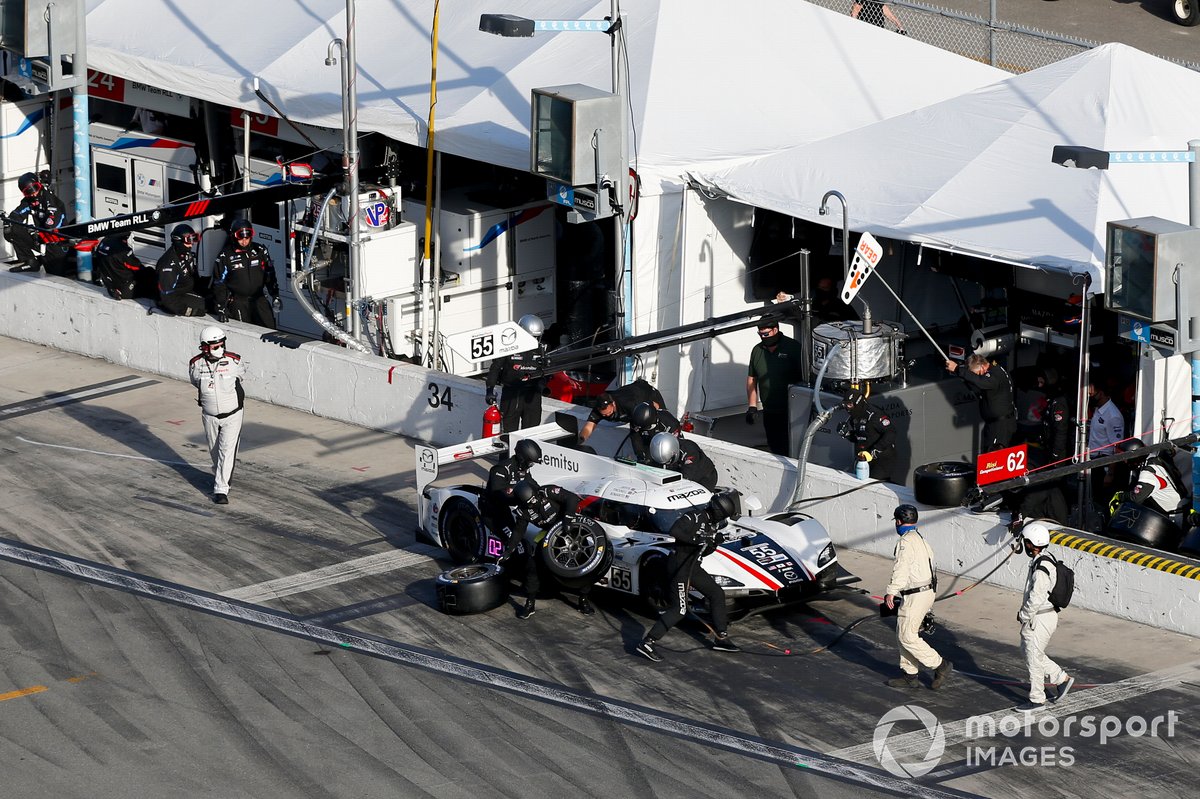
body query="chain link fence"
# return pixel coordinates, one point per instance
(1010, 47)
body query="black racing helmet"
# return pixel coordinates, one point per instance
(721, 507)
(905, 514)
(241, 225)
(28, 184)
(523, 492)
(183, 234)
(852, 399)
(1132, 445)
(527, 451)
(643, 416)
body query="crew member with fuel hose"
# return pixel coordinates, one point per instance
(872, 434)
(521, 380)
(696, 533)
(992, 385)
(543, 507)
(243, 271)
(913, 585)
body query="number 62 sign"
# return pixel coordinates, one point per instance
(1003, 464)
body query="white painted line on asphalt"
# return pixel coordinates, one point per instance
(914, 745)
(205, 465)
(560, 695)
(337, 573)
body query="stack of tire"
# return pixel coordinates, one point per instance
(943, 484)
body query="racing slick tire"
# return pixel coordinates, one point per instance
(1145, 526)
(575, 550)
(1186, 12)
(943, 484)
(461, 527)
(476, 588)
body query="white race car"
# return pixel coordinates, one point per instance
(621, 540)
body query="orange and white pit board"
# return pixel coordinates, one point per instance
(866, 256)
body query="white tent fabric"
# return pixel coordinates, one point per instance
(973, 173)
(710, 83)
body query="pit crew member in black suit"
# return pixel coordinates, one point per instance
(243, 271)
(521, 381)
(544, 507)
(872, 434)
(684, 456)
(696, 534)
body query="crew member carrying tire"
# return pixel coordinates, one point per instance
(543, 507)
(696, 533)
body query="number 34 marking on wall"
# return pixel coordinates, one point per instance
(440, 397)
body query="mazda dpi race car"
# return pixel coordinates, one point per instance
(621, 539)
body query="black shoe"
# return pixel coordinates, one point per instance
(941, 674)
(646, 650)
(1063, 688)
(585, 606)
(724, 643)
(25, 268)
(529, 609)
(904, 681)
(1029, 707)
(221, 499)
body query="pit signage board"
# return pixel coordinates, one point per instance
(1003, 464)
(489, 343)
(866, 257)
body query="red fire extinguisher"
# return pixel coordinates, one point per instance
(685, 424)
(491, 421)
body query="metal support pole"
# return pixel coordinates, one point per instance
(351, 169)
(624, 276)
(806, 318)
(80, 138)
(1083, 494)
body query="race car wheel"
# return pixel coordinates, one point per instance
(943, 484)
(477, 588)
(578, 583)
(576, 549)
(1186, 12)
(462, 530)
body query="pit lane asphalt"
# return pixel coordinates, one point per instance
(236, 653)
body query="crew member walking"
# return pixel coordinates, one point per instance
(217, 374)
(992, 385)
(696, 534)
(913, 580)
(1039, 619)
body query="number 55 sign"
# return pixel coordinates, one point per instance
(494, 341)
(1003, 464)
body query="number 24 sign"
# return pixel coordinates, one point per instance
(1003, 464)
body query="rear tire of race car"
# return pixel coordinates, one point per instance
(462, 530)
(943, 484)
(1186, 12)
(477, 588)
(576, 550)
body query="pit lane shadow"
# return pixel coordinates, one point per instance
(133, 433)
(870, 646)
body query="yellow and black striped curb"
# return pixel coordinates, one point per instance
(1147, 560)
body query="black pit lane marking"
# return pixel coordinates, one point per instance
(59, 398)
(438, 663)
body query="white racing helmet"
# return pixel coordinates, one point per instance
(211, 336)
(1037, 534)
